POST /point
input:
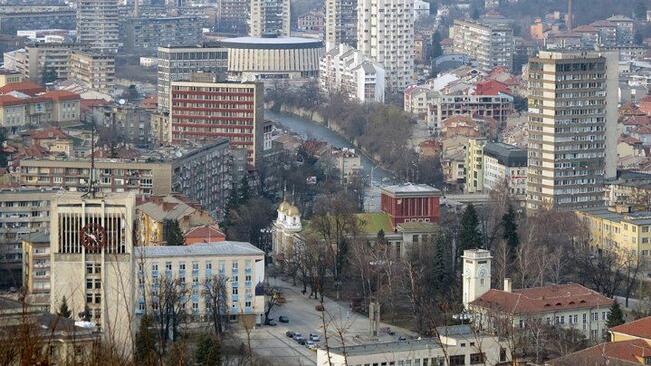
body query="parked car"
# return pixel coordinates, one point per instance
(315, 337)
(309, 343)
(297, 335)
(271, 322)
(283, 319)
(290, 334)
(301, 341)
(312, 347)
(402, 338)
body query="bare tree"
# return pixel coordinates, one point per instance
(215, 292)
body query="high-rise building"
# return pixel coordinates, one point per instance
(489, 42)
(231, 16)
(93, 70)
(270, 17)
(98, 24)
(179, 63)
(572, 128)
(209, 110)
(344, 69)
(146, 34)
(385, 34)
(340, 23)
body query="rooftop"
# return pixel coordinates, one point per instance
(623, 353)
(410, 188)
(509, 155)
(223, 248)
(640, 328)
(543, 299)
(637, 218)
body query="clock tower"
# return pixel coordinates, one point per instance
(476, 274)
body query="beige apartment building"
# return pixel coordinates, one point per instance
(490, 43)
(270, 17)
(475, 165)
(36, 268)
(111, 175)
(98, 24)
(33, 60)
(93, 70)
(572, 128)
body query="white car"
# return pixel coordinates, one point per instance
(315, 337)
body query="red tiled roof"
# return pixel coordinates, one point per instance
(644, 130)
(629, 140)
(60, 95)
(638, 328)
(204, 234)
(50, 133)
(622, 353)
(637, 121)
(10, 100)
(491, 87)
(27, 87)
(542, 299)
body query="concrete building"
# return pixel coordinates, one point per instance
(311, 22)
(36, 268)
(98, 25)
(270, 17)
(577, 91)
(347, 162)
(23, 214)
(193, 265)
(231, 17)
(273, 58)
(457, 345)
(340, 23)
(385, 34)
(569, 306)
(179, 63)
(10, 77)
(19, 108)
(144, 35)
(93, 70)
(505, 163)
(475, 165)
(344, 69)
(205, 111)
(22, 17)
(441, 107)
(490, 43)
(36, 59)
(132, 121)
(92, 262)
(411, 203)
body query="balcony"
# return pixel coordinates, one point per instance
(248, 283)
(248, 310)
(235, 284)
(235, 297)
(248, 270)
(234, 271)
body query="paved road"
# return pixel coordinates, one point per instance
(271, 342)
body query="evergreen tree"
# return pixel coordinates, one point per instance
(172, 233)
(64, 311)
(469, 235)
(49, 75)
(85, 315)
(145, 343)
(615, 315)
(510, 228)
(640, 9)
(436, 45)
(245, 191)
(232, 203)
(207, 352)
(3, 154)
(442, 266)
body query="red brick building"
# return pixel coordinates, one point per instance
(204, 111)
(411, 203)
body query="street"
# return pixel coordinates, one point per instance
(270, 342)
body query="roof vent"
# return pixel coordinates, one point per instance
(558, 304)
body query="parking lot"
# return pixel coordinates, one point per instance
(271, 342)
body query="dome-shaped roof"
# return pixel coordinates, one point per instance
(292, 211)
(284, 206)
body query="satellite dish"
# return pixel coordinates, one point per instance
(122, 101)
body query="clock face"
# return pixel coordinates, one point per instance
(93, 237)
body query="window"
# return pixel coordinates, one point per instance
(234, 290)
(502, 354)
(457, 360)
(247, 278)
(181, 266)
(89, 268)
(89, 284)
(476, 358)
(208, 265)
(584, 317)
(235, 265)
(89, 298)
(247, 304)
(98, 298)
(98, 284)
(195, 306)
(168, 266)
(154, 267)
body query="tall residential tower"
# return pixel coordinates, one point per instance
(572, 128)
(98, 25)
(340, 23)
(270, 17)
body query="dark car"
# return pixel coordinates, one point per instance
(271, 322)
(301, 341)
(283, 319)
(402, 338)
(289, 334)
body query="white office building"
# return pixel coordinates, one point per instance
(347, 70)
(385, 34)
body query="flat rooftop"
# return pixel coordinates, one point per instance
(222, 248)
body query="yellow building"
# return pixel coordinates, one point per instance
(617, 227)
(36, 268)
(9, 77)
(475, 165)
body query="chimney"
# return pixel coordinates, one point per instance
(507, 285)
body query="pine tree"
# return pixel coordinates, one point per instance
(442, 266)
(207, 352)
(85, 315)
(64, 311)
(436, 45)
(172, 233)
(245, 191)
(145, 343)
(510, 228)
(469, 235)
(615, 315)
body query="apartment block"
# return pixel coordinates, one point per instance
(204, 111)
(345, 69)
(145, 35)
(311, 22)
(239, 265)
(340, 23)
(93, 70)
(441, 107)
(18, 109)
(9, 77)
(385, 34)
(23, 17)
(98, 25)
(231, 17)
(35, 59)
(270, 17)
(490, 43)
(475, 165)
(23, 213)
(505, 164)
(572, 128)
(36, 268)
(179, 63)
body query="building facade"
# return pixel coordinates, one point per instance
(39, 58)
(98, 25)
(340, 23)
(271, 17)
(21, 17)
(145, 34)
(475, 165)
(230, 17)
(93, 70)
(23, 214)
(179, 63)
(206, 111)
(411, 203)
(344, 69)
(385, 34)
(490, 43)
(505, 164)
(36, 268)
(441, 107)
(311, 22)
(18, 110)
(572, 128)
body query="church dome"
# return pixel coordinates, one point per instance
(284, 206)
(292, 211)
